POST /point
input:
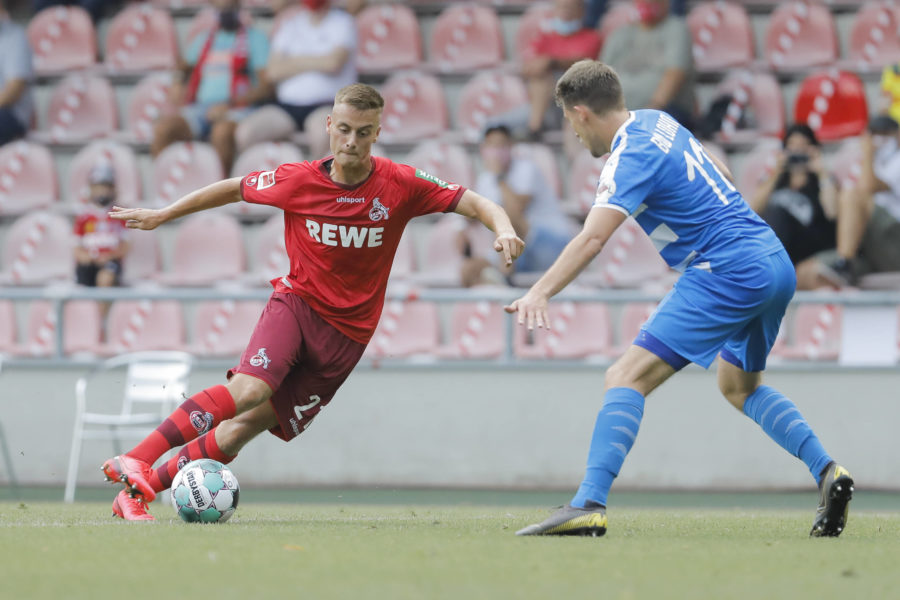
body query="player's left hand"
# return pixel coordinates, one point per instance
(510, 246)
(138, 218)
(532, 309)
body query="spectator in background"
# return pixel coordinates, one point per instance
(94, 8)
(16, 76)
(595, 9)
(799, 200)
(313, 56)
(225, 76)
(553, 52)
(654, 61)
(102, 241)
(890, 89)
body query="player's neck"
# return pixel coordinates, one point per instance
(610, 125)
(345, 175)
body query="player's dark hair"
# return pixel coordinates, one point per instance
(360, 96)
(498, 129)
(592, 84)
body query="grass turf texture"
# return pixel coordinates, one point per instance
(51, 550)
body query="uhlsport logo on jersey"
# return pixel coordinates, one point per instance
(379, 211)
(436, 181)
(260, 359)
(202, 422)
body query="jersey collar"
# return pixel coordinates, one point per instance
(620, 132)
(325, 169)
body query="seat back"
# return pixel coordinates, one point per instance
(584, 178)
(62, 38)
(38, 249)
(223, 328)
(465, 37)
(449, 162)
(628, 259)
(761, 95)
(389, 38)
(143, 262)
(875, 36)
(800, 34)
(578, 330)
(833, 104)
(405, 329)
(184, 167)
(270, 259)
(210, 247)
(414, 108)
(488, 97)
(634, 315)
(265, 156)
(82, 328)
(129, 188)
(537, 19)
(150, 99)
(477, 329)
(542, 156)
(816, 332)
(27, 178)
(758, 165)
(8, 327)
(722, 35)
(141, 37)
(145, 325)
(846, 163)
(82, 107)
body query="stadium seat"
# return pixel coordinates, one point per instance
(129, 188)
(181, 5)
(144, 325)
(414, 108)
(8, 328)
(404, 264)
(758, 165)
(270, 259)
(618, 14)
(722, 36)
(816, 333)
(150, 99)
(584, 178)
(542, 156)
(833, 104)
(577, 330)
(265, 156)
(874, 37)
(141, 38)
(223, 328)
(389, 38)
(800, 35)
(477, 331)
(38, 250)
(448, 161)
(466, 37)
(756, 97)
(487, 98)
(634, 315)
(143, 263)
(81, 108)
(27, 178)
(629, 259)
(182, 168)
(82, 329)
(537, 19)
(209, 247)
(405, 329)
(152, 383)
(846, 163)
(62, 38)
(443, 259)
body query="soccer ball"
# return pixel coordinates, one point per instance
(205, 491)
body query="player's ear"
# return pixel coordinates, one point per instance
(328, 123)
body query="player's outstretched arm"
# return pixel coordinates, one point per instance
(493, 217)
(216, 194)
(600, 224)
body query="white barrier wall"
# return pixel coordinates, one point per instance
(526, 428)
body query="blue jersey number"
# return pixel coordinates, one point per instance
(695, 164)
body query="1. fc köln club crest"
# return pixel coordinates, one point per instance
(379, 211)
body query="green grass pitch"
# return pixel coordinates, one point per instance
(363, 551)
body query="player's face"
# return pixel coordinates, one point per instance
(580, 122)
(352, 132)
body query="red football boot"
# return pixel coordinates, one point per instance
(130, 509)
(133, 473)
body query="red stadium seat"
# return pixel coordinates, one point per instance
(270, 259)
(129, 188)
(477, 331)
(223, 328)
(389, 38)
(577, 330)
(629, 259)
(38, 250)
(486, 97)
(8, 327)
(583, 181)
(800, 35)
(184, 167)
(756, 96)
(143, 263)
(141, 38)
(833, 104)
(874, 37)
(634, 315)
(210, 250)
(414, 108)
(466, 37)
(27, 178)
(443, 258)
(757, 166)
(405, 329)
(846, 163)
(265, 156)
(181, 4)
(722, 36)
(542, 156)
(404, 259)
(82, 108)
(537, 19)
(62, 39)
(816, 333)
(150, 99)
(144, 325)
(450, 162)
(82, 328)
(618, 14)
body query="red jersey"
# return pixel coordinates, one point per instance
(341, 239)
(584, 43)
(98, 232)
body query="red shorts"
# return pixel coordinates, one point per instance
(300, 356)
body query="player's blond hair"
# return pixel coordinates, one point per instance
(593, 84)
(360, 96)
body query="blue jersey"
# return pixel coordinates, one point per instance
(660, 174)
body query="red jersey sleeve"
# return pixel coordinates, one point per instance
(273, 188)
(426, 193)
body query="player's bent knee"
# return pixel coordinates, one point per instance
(248, 392)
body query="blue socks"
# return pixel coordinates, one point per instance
(782, 422)
(614, 433)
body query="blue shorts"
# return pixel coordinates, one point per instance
(737, 313)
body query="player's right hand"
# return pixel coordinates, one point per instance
(510, 246)
(138, 218)
(532, 309)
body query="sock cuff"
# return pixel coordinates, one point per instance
(223, 401)
(624, 395)
(759, 395)
(212, 448)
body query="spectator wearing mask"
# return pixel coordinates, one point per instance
(225, 76)
(16, 77)
(102, 242)
(595, 9)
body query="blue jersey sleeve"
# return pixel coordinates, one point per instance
(629, 175)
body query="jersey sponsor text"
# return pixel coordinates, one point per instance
(344, 236)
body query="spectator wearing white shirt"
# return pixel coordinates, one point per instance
(313, 55)
(16, 78)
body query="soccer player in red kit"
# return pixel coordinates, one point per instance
(343, 218)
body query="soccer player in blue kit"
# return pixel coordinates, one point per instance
(736, 282)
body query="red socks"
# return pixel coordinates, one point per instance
(203, 447)
(197, 415)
